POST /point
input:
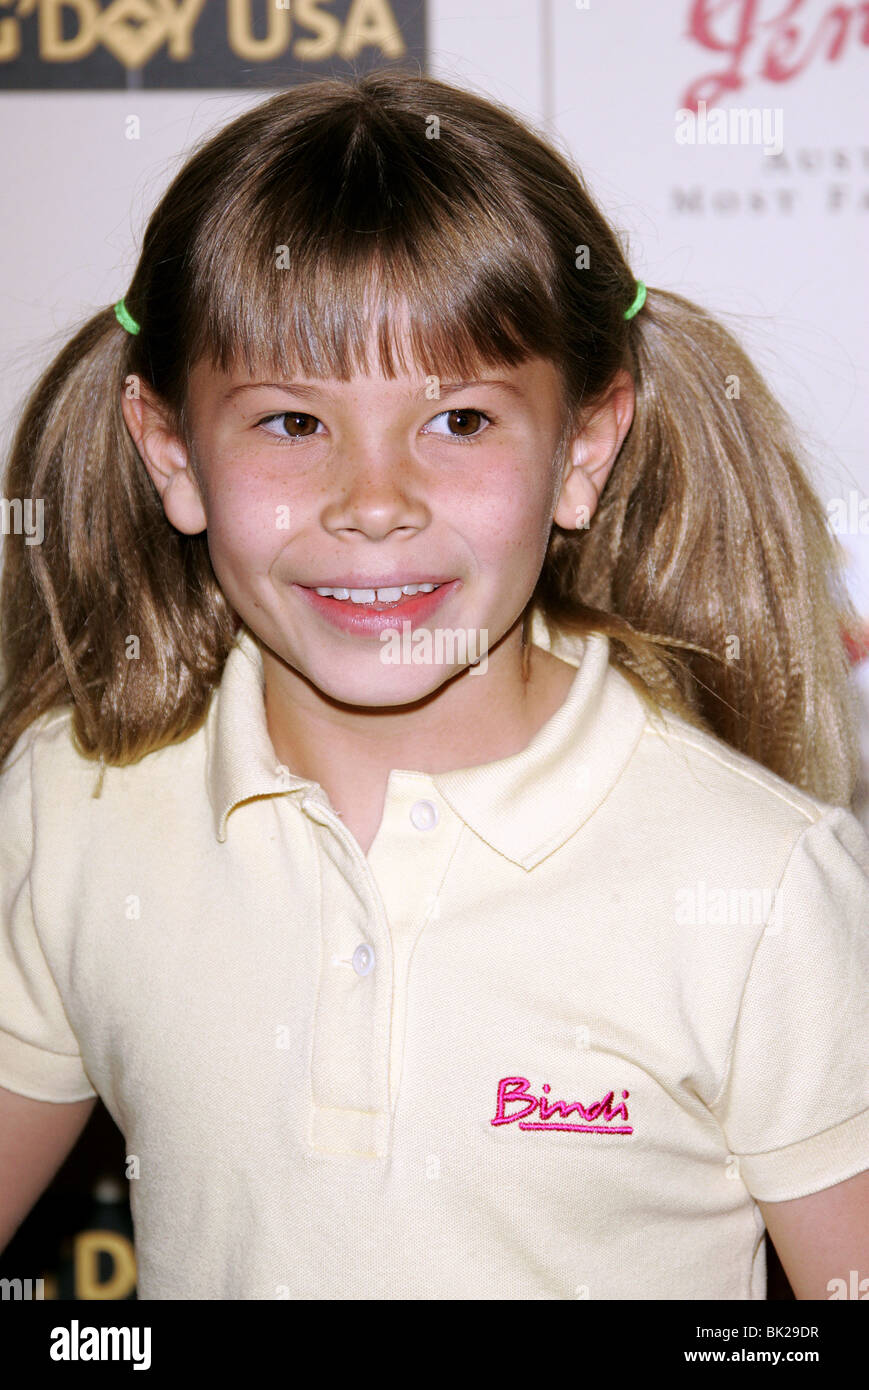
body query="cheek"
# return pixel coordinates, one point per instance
(512, 513)
(248, 516)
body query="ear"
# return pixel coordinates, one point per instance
(166, 459)
(591, 454)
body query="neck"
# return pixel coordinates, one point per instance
(470, 719)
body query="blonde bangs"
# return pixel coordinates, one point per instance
(334, 249)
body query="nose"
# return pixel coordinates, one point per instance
(376, 492)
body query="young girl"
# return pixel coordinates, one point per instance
(427, 747)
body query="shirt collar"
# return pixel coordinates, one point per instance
(524, 806)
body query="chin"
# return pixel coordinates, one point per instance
(385, 687)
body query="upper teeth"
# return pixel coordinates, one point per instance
(377, 595)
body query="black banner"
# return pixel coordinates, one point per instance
(88, 45)
(252, 1340)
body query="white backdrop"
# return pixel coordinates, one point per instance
(774, 243)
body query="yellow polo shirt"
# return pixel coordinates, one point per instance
(572, 1014)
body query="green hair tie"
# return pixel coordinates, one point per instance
(127, 321)
(638, 302)
(125, 318)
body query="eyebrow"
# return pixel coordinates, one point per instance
(447, 388)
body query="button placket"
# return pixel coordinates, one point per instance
(350, 1054)
(417, 839)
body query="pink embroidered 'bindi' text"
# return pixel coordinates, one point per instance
(515, 1088)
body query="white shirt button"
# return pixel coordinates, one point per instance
(424, 815)
(363, 960)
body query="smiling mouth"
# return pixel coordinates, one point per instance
(391, 596)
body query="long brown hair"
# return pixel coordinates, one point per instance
(708, 563)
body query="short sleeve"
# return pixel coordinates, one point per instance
(39, 1053)
(794, 1105)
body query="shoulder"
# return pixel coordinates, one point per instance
(16, 774)
(686, 774)
(709, 764)
(702, 825)
(62, 785)
(695, 785)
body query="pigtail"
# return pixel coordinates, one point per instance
(114, 612)
(709, 539)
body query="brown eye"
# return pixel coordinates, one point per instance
(302, 421)
(465, 421)
(461, 423)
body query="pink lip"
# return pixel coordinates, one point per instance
(369, 620)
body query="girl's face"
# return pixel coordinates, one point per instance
(375, 484)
